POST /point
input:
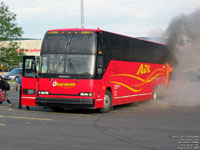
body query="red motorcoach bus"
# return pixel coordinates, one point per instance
(92, 68)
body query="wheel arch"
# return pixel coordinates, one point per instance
(109, 88)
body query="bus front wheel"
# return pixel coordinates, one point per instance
(107, 102)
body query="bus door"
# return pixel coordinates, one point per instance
(29, 81)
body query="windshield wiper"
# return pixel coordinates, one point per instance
(68, 41)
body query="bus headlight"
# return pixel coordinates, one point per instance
(43, 92)
(88, 94)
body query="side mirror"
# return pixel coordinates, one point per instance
(99, 71)
(99, 65)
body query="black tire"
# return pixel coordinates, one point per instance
(58, 109)
(27, 108)
(107, 102)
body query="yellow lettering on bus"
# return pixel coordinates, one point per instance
(143, 69)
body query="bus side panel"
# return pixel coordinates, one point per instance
(99, 90)
(29, 91)
(133, 81)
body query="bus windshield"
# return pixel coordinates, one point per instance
(68, 53)
(70, 64)
(73, 43)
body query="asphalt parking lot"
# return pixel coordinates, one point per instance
(149, 125)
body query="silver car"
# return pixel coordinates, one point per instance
(13, 74)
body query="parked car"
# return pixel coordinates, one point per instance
(13, 74)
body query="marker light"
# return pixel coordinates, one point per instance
(53, 32)
(100, 52)
(85, 32)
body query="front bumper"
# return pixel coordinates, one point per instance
(65, 102)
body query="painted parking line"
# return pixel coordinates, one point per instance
(1, 124)
(59, 113)
(66, 113)
(26, 118)
(8, 109)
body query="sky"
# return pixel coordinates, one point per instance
(137, 18)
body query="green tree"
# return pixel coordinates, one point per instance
(9, 31)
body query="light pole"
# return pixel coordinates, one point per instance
(82, 14)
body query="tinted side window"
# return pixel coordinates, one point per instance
(141, 51)
(157, 53)
(115, 45)
(126, 49)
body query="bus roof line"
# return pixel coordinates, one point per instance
(98, 30)
(75, 29)
(135, 38)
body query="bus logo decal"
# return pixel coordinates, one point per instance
(63, 85)
(143, 69)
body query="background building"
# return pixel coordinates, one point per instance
(30, 46)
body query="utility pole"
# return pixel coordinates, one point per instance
(82, 14)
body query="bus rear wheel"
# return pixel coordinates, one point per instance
(107, 102)
(156, 93)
